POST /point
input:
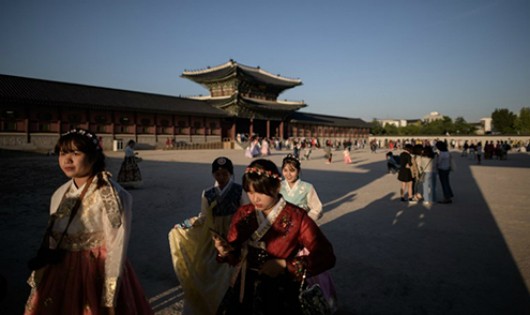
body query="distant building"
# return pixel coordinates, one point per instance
(433, 116)
(487, 123)
(241, 100)
(393, 122)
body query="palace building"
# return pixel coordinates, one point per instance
(241, 100)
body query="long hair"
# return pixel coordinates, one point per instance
(263, 176)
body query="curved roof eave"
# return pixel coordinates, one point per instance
(229, 69)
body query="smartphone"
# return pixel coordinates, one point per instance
(220, 236)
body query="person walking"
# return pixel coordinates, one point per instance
(444, 169)
(304, 195)
(405, 173)
(263, 241)
(89, 229)
(129, 175)
(203, 280)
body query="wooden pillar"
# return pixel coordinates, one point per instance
(134, 126)
(189, 128)
(251, 128)
(280, 130)
(233, 130)
(268, 124)
(87, 113)
(155, 125)
(204, 128)
(112, 124)
(26, 126)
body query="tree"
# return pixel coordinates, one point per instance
(391, 130)
(377, 128)
(462, 127)
(522, 123)
(503, 120)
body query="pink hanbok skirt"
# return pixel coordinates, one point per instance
(75, 286)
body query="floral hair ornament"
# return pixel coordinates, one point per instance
(259, 171)
(92, 137)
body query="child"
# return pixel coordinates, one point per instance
(90, 222)
(129, 175)
(202, 278)
(263, 241)
(303, 194)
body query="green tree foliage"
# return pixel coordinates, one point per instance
(410, 130)
(377, 128)
(522, 123)
(503, 121)
(437, 127)
(462, 127)
(392, 130)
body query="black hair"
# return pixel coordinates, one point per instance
(442, 146)
(428, 152)
(263, 176)
(224, 163)
(291, 160)
(86, 142)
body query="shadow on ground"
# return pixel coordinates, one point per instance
(391, 258)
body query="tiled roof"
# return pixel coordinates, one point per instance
(232, 68)
(319, 119)
(38, 91)
(255, 103)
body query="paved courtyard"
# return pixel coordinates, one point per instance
(469, 257)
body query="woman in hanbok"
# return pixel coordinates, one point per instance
(253, 149)
(203, 280)
(264, 239)
(304, 195)
(129, 175)
(347, 156)
(90, 222)
(299, 192)
(265, 147)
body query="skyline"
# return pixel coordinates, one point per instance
(359, 59)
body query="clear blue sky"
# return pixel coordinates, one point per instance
(363, 59)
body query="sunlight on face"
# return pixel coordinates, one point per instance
(290, 173)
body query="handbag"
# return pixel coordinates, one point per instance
(312, 300)
(52, 256)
